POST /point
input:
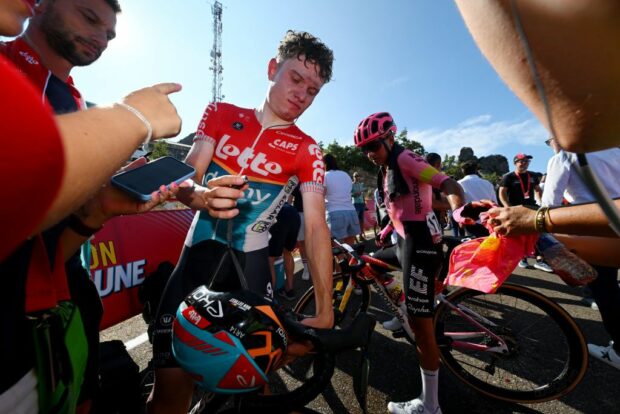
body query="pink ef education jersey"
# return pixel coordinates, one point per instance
(417, 204)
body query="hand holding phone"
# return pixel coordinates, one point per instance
(141, 182)
(240, 186)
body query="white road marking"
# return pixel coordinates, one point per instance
(137, 341)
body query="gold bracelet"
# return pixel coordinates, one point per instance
(539, 220)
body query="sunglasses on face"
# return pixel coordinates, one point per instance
(372, 146)
(523, 161)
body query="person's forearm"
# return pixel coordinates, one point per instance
(441, 205)
(602, 251)
(504, 199)
(454, 193)
(90, 216)
(97, 142)
(579, 83)
(585, 219)
(319, 252)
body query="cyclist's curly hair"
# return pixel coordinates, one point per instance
(115, 5)
(295, 44)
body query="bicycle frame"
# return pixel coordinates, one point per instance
(471, 317)
(472, 341)
(458, 339)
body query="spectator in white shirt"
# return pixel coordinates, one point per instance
(475, 187)
(341, 215)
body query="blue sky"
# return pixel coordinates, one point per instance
(413, 58)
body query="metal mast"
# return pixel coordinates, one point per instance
(216, 52)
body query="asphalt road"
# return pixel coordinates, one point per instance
(395, 375)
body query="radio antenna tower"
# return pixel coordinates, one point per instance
(216, 52)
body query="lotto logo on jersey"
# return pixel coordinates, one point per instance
(257, 163)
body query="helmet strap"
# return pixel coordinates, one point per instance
(233, 257)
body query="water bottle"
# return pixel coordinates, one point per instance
(572, 269)
(394, 290)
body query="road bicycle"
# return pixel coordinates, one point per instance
(513, 345)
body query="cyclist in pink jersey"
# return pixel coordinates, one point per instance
(406, 181)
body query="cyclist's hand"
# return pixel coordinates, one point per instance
(383, 238)
(221, 195)
(470, 212)
(379, 241)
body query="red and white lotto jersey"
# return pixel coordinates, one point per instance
(275, 160)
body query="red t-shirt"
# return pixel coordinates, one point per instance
(32, 164)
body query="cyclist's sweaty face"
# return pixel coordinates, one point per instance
(294, 84)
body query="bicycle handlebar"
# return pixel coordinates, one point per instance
(327, 342)
(332, 340)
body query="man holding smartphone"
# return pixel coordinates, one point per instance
(63, 34)
(266, 146)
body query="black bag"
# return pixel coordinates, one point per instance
(152, 289)
(120, 381)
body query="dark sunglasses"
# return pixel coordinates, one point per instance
(372, 146)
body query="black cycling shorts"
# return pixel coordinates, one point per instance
(421, 263)
(284, 232)
(196, 267)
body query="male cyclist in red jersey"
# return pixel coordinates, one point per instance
(264, 145)
(406, 181)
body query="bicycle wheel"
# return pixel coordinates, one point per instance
(546, 357)
(354, 303)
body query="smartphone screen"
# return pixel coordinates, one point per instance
(142, 181)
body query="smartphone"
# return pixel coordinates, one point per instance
(142, 181)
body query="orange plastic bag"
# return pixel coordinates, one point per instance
(485, 263)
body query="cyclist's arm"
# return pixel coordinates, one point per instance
(441, 204)
(319, 252)
(453, 192)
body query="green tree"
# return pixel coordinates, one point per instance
(160, 149)
(349, 158)
(450, 166)
(493, 177)
(410, 144)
